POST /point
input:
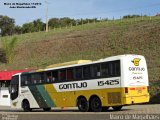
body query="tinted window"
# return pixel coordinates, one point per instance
(37, 78)
(14, 88)
(49, 76)
(115, 68)
(24, 80)
(86, 72)
(62, 75)
(70, 75)
(5, 84)
(15, 80)
(54, 76)
(78, 73)
(110, 69)
(105, 69)
(95, 70)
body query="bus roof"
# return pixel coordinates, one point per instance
(86, 62)
(69, 63)
(79, 62)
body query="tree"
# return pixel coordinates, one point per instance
(38, 25)
(66, 21)
(54, 22)
(35, 26)
(28, 27)
(17, 30)
(7, 25)
(62, 22)
(132, 16)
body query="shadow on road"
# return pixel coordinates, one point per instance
(60, 110)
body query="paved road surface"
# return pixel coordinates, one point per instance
(135, 112)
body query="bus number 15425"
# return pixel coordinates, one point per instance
(108, 82)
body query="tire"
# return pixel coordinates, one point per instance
(95, 104)
(82, 104)
(26, 106)
(104, 109)
(117, 108)
(47, 109)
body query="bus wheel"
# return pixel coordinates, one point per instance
(95, 104)
(117, 108)
(47, 109)
(82, 104)
(26, 106)
(104, 109)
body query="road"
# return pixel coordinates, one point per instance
(135, 112)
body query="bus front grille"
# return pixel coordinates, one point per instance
(114, 97)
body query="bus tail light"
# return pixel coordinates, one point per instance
(126, 90)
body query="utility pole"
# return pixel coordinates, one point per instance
(46, 15)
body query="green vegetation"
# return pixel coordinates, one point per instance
(91, 41)
(8, 48)
(8, 27)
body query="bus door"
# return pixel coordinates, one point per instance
(14, 87)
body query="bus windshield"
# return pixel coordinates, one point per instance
(14, 87)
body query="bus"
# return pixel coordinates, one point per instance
(95, 86)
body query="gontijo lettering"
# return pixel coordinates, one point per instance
(73, 85)
(136, 69)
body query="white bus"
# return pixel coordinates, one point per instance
(91, 86)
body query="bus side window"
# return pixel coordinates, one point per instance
(95, 70)
(78, 73)
(33, 78)
(28, 81)
(70, 74)
(105, 69)
(54, 76)
(115, 68)
(41, 77)
(24, 80)
(49, 76)
(111, 68)
(86, 72)
(62, 75)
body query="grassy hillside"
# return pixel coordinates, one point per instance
(92, 41)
